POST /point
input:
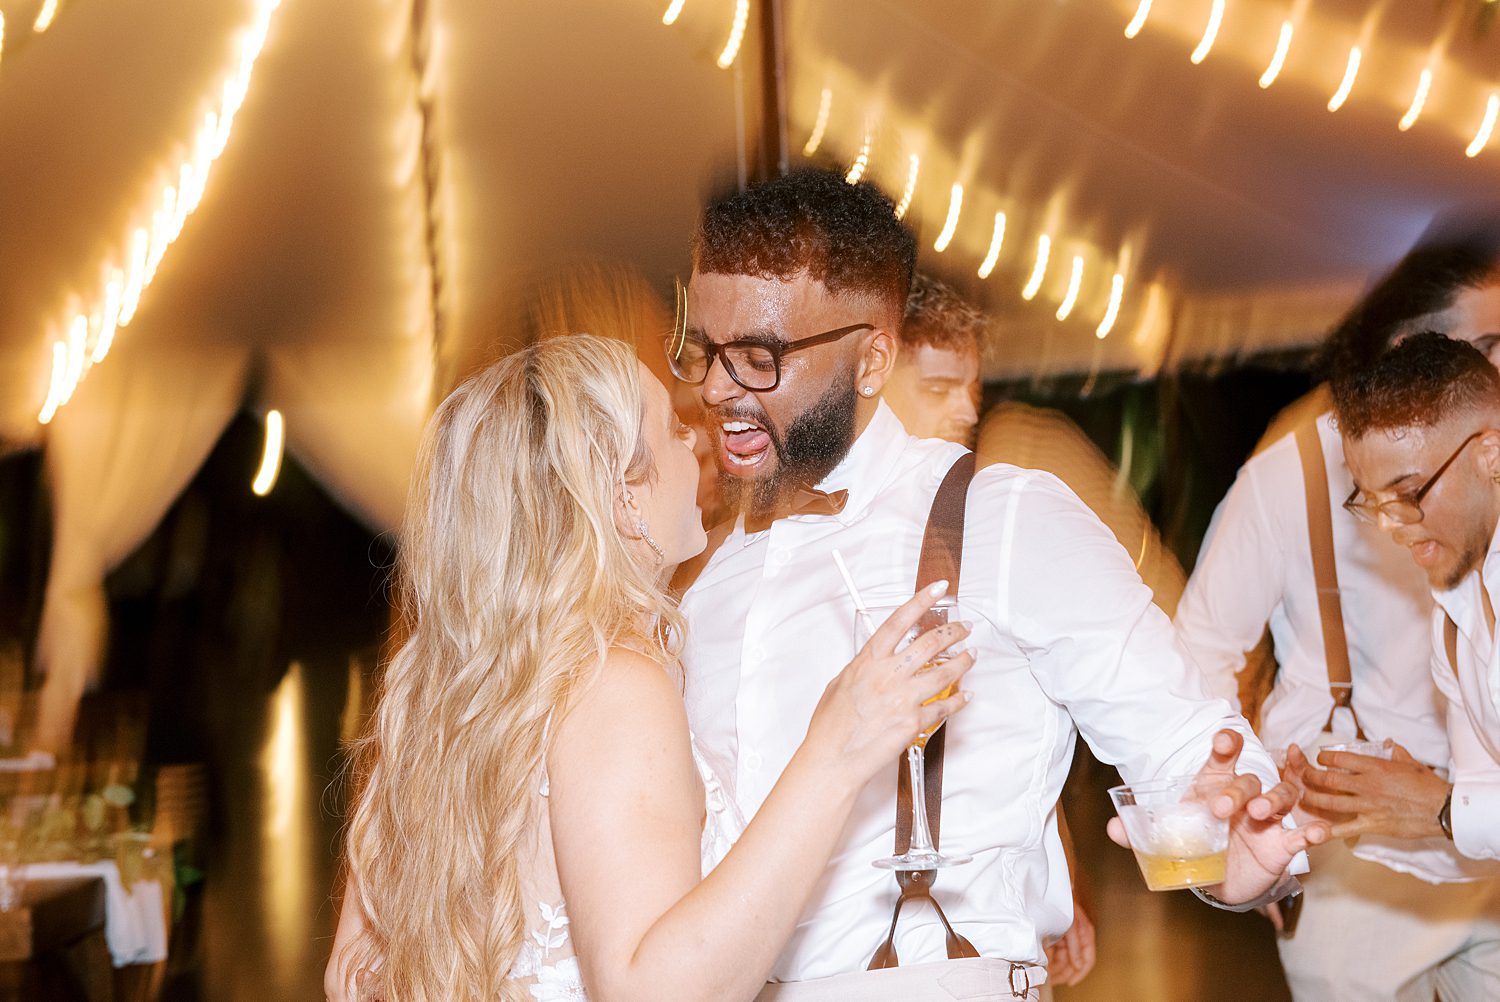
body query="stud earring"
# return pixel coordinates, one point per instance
(1495, 478)
(868, 391)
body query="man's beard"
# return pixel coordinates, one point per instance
(1470, 558)
(816, 441)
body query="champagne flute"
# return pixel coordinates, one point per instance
(922, 854)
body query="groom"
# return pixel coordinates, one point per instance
(793, 312)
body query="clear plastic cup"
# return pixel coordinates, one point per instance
(1177, 840)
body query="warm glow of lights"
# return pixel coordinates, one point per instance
(1075, 282)
(1111, 312)
(950, 225)
(2, 49)
(736, 34)
(1418, 100)
(825, 105)
(857, 170)
(673, 12)
(114, 289)
(1283, 46)
(286, 833)
(270, 460)
(117, 301)
(45, 16)
(993, 256)
(1039, 270)
(1210, 33)
(78, 339)
(58, 382)
(911, 186)
(1351, 71)
(1139, 21)
(1486, 128)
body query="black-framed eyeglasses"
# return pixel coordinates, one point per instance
(752, 363)
(1405, 508)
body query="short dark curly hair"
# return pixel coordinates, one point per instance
(843, 235)
(936, 315)
(1449, 259)
(1416, 384)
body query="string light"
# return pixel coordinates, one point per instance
(1139, 21)
(119, 296)
(673, 12)
(996, 241)
(1075, 282)
(862, 161)
(1486, 128)
(1418, 101)
(1039, 270)
(1112, 311)
(45, 16)
(736, 34)
(1283, 46)
(950, 225)
(825, 105)
(1210, 33)
(57, 385)
(1347, 84)
(2, 34)
(911, 187)
(270, 460)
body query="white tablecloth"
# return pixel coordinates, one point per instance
(134, 920)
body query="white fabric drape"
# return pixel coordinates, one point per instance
(118, 455)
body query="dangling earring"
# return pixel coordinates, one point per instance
(640, 526)
(645, 534)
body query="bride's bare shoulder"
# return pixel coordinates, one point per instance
(632, 703)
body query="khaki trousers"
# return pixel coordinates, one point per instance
(944, 981)
(1369, 934)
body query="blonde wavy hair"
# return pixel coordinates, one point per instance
(514, 582)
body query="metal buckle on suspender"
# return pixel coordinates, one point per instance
(1025, 989)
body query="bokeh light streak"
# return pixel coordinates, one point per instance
(911, 187)
(1139, 21)
(45, 16)
(1486, 128)
(1283, 46)
(56, 384)
(993, 255)
(1351, 72)
(1039, 270)
(114, 290)
(1075, 282)
(1210, 33)
(1112, 312)
(1418, 101)
(736, 34)
(857, 169)
(950, 225)
(673, 12)
(270, 460)
(825, 105)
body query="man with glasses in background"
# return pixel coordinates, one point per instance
(1348, 618)
(1421, 432)
(791, 326)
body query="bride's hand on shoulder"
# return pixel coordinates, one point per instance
(879, 703)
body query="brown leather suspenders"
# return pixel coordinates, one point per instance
(1325, 573)
(942, 558)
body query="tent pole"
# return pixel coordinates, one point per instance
(773, 131)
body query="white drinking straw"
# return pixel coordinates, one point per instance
(859, 603)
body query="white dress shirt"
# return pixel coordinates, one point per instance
(1474, 708)
(1069, 634)
(1256, 567)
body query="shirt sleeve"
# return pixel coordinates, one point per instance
(1096, 642)
(1237, 583)
(1474, 773)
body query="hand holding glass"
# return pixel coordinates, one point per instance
(922, 854)
(1176, 838)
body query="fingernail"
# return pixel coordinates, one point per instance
(937, 589)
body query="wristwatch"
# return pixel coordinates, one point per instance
(1445, 816)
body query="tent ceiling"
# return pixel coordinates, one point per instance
(573, 129)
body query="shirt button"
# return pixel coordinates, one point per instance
(781, 558)
(753, 761)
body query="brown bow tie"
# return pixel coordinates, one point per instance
(806, 501)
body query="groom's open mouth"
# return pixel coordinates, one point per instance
(743, 446)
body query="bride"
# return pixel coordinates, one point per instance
(534, 821)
